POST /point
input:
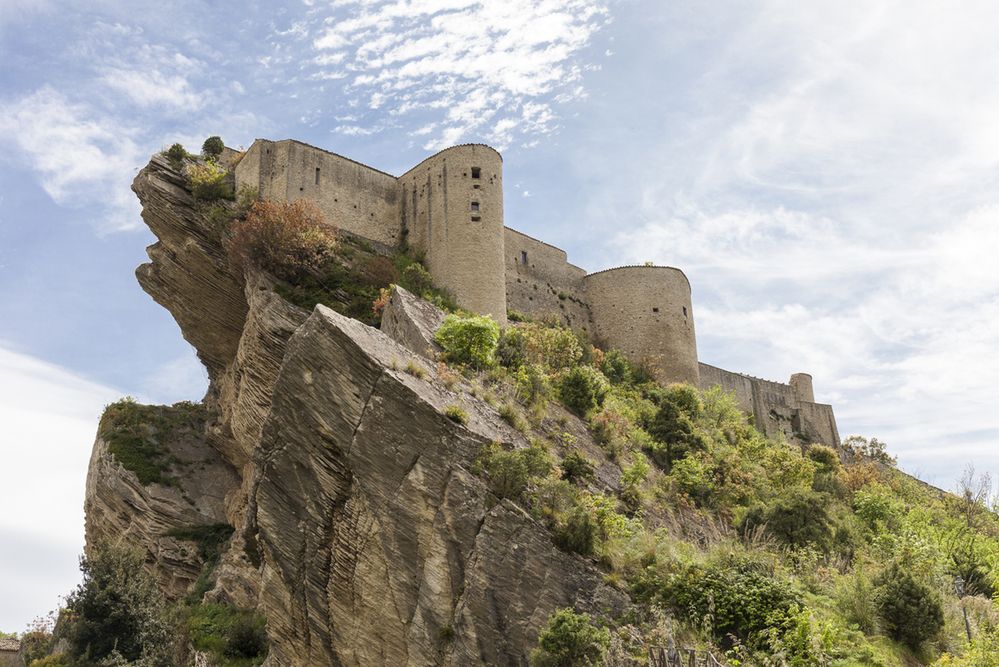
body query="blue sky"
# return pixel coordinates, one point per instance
(825, 174)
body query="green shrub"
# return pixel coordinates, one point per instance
(208, 182)
(469, 340)
(135, 435)
(417, 279)
(878, 507)
(616, 367)
(856, 601)
(554, 347)
(734, 595)
(117, 607)
(826, 458)
(686, 398)
(576, 468)
(910, 612)
(176, 154)
(673, 430)
(511, 416)
(582, 389)
(213, 147)
(800, 518)
(456, 413)
(288, 240)
(695, 478)
(511, 350)
(509, 472)
(576, 532)
(232, 636)
(570, 640)
(533, 386)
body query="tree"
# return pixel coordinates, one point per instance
(469, 340)
(116, 610)
(213, 147)
(911, 613)
(672, 429)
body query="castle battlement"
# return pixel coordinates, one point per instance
(450, 208)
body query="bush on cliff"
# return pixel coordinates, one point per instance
(570, 640)
(910, 612)
(582, 389)
(287, 239)
(208, 182)
(469, 339)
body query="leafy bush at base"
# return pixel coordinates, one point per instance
(734, 595)
(176, 154)
(235, 637)
(469, 340)
(570, 640)
(582, 389)
(910, 612)
(288, 240)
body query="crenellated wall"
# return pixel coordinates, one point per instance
(450, 208)
(645, 311)
(778, 409)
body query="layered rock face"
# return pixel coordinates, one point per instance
(361, 533)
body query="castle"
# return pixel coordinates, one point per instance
(450, 208)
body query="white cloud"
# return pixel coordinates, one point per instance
(49, 418)
(82, 158)
(830, 189)
(487, 70)
(152, 88)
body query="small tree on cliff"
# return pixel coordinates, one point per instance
(116, 612)
(213, 147)
(287, 239)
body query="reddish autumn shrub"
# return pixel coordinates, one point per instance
(288, 240)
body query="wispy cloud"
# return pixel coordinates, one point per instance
(81, 157)
(49, 418)
(482, 70)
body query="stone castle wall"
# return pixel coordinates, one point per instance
(777, 408)
(540, 281)
(452, 210)
(450, 207)
(645, 311)
(354, 197)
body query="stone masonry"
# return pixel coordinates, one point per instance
(450, 208)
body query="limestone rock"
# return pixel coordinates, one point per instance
(412, 322)
(118, 506)
(378, 542)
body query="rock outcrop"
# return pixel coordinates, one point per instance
(360, 530)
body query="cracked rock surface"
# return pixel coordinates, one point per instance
(360, 532)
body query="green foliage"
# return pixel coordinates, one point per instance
(872, 449)
(135, 435)
(176, 154)
(554, 347)
(511, 350)
(116, 608)
(733, 595)
(510, 472)
(208, 182)
(570, 640)
(673, 432)
(456, 413)
(233, 637)
(532, 384)
(416, 279)
(800, 518)
(55, 660)
(826, 458)
(213, 147)
(210, 538)
(469, 340)
(576, 468)
(508, 413)
(616, 367)
(910, 612)
(582, 389)
(878, 507)
(856, 601)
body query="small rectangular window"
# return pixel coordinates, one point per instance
(655, 310)
(684, 311)
(476, 218)
(476, 172)
(317, 175)
(475, 206)
(523, 257)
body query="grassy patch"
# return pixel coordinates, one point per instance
(136, 434)
(233, 637)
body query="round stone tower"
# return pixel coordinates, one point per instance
(452, 211)
(646, 313)
(801, 385)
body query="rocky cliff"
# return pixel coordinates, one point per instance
(359, 529)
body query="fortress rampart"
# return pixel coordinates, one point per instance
(645, 311)
(450, 208)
